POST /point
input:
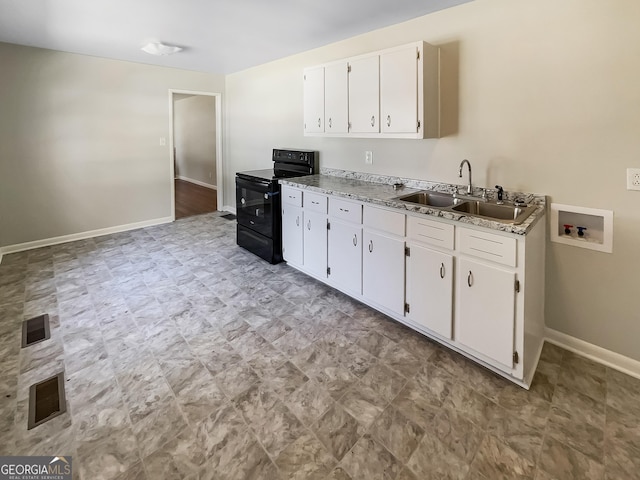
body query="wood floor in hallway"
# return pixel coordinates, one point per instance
(192, 199)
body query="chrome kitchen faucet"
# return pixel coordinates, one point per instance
(469, 187)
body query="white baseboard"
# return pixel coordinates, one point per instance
(197, 182)
(46, 242)
(593, 352)
(229, 209)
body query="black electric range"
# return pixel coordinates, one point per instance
(258, 205)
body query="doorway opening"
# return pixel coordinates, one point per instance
(196, 153)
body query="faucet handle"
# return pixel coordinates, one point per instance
(500, 193)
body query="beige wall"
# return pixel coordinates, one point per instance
(194, 137)
(80, 141)
(540, 96)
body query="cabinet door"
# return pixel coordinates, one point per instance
(315, 243)
(314, 100)
(399, 91)
(292, 221)
(485, 309)
(345, 256)
(336, 98)
(430, 289)
(383, 270)
(364, 95)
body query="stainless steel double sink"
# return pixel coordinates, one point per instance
(490, 210)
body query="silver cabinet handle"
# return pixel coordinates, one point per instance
(370, 246)
(373, 121)
(470, 278)
(345, 210)
(297, 221)
(309, 225)
(388, 120)
(442, 270)
(329, 122)
(315, 203)
(355, 240)
(319, 122)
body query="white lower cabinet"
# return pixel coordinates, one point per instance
(485, 309)
(383, 271)
(315, 243)
(430, 289)
(478, 291)
(383, 258)
(345, 256)
(292, 243)
(344, 253)
(304, 230)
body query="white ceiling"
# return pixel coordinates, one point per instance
(218, 36)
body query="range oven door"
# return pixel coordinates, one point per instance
(255, 202)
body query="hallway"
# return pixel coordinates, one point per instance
(192, 199)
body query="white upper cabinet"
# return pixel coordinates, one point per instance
(364, 95)
(336, 104)
(399, 90)
(392, 93)
(314, 100)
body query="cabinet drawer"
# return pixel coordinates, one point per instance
(384, 220)
(488, 246)
(345, 210)
(428, 231)
(291, 196)
(315, 202)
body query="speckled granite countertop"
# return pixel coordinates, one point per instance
(378, 189)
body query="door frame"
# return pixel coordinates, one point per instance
(219, 159)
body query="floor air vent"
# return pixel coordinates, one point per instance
(229, 216)
(35, 330)
(46, 400)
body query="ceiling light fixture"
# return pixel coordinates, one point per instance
(159, 49)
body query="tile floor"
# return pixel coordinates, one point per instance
(187, 357)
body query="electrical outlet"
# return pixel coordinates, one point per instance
(368, 157)
(633, 178)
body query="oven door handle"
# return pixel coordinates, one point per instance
(271, 194)
(258, 186)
